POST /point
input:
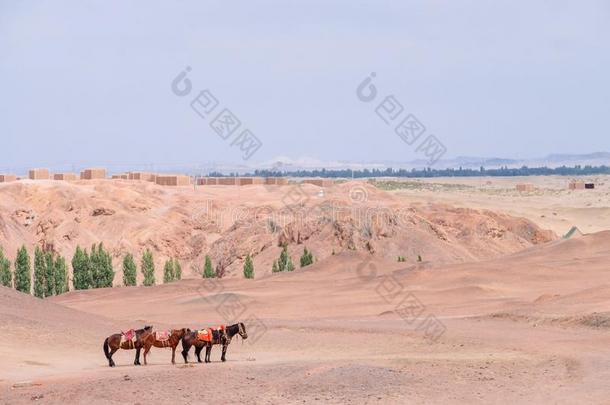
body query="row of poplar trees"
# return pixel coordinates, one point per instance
(89, 270)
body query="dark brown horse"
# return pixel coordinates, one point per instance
(222, 337)
(116, 342)
(154, 339)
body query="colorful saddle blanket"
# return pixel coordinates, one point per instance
(129, 335)
(205, 335)
(163, 336)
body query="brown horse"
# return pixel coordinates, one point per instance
(115, 342)
(175, 335)
(219, 336)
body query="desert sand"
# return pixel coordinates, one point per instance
(500, 309)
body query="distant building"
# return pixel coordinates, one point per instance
(5, 178)
(525, 187)
(173, 180)
(39, 174)
(65, 176)
(576, 185)
(93, 174)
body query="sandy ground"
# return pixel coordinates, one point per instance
(527, 326)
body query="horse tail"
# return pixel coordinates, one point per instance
(106, 349)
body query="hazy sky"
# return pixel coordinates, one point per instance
(90, 81)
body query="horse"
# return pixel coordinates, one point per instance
(175, 336)
(115, 342)
(218, 336)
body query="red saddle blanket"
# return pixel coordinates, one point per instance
(205, 335)
(163, 336)
(129, 335)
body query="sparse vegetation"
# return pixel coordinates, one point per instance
(401, 259)
(208, 269)
(6, 275)
(248, 268)
(39, 273)
(419, 258)
(168, 271)
(100, 263)
(177, 270)
(129, 270)
(306, 258)
(148, 268)
(81, 273)
(23, 271)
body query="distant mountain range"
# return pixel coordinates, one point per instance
(466, 162)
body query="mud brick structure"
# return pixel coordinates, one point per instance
(65, 176)
(122, 176)
(211, 181)
(279, 181)
(525, 187)
(93, 174)
(227, 181)
(202, 181)
(245, 181)
(5, 178)
(576, 185)
(39, 174)
(143, 176)
(173, 180)
(319, 182)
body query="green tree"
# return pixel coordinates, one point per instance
(129, 270)
(81, 271)
(148, 268)
(40, 271)
(102, 272)
(283, 260)
(168, 271)
(177, 270)
(61, 275)
(208, 270)
(49, 278)
(289, 264)
(307, 258)
(23, 271)
(248, 268)
(274, 268)
(6, 275)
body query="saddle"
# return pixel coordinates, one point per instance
(129, 336)
(163, 336)
(204, 335)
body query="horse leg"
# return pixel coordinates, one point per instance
(146, 350)
(137, 360)
(173, 354)
(224, 353)
(208, 351)
(185, 351)
(112, 352)
(198, 353)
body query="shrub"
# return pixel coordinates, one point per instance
(248, 268)
(208, 270)
(275, 268)
(177, 270)
(307, 258)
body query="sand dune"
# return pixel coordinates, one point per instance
(520, 317)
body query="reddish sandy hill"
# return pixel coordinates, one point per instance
(230, 222)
